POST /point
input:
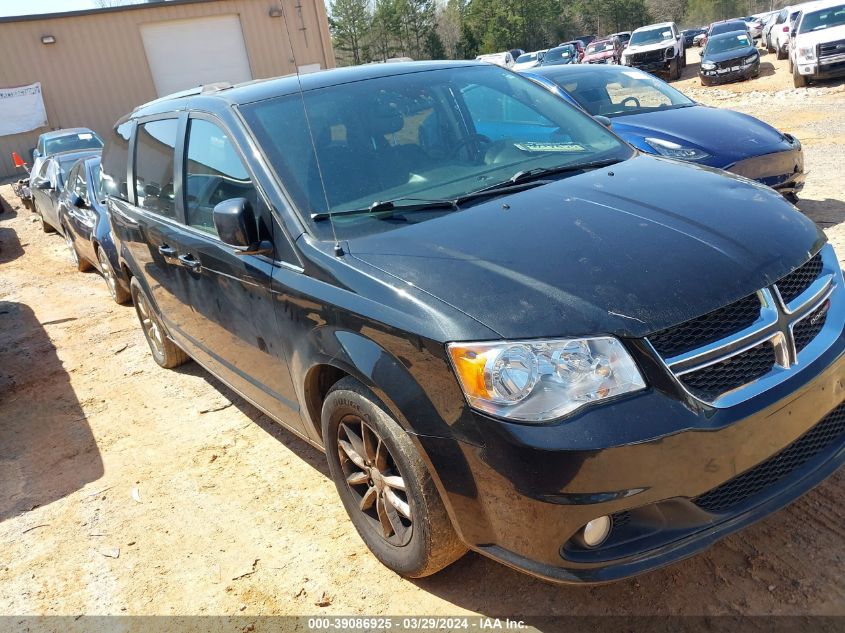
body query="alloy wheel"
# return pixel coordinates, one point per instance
(150, 325)
(108, 273)
(375, 481)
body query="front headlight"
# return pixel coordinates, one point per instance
(537, 381)
(807, 52)
(708, 66)
(673, 150)
(624, 60)
(751, 59)
(670, 52)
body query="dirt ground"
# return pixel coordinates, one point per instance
(129, 489)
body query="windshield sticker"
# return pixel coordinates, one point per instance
(549, 147)
(85, 136)
(634, 74)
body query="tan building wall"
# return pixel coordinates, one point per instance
(97, 70)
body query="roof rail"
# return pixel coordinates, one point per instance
(190, 92)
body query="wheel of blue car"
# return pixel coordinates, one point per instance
(384, 484)
(165, 352)
(80, 263)
(116, 289)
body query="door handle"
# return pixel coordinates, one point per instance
(189, 262)
(165, 250)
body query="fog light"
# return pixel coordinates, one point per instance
(596, 531)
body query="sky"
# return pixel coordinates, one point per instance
(27, 7)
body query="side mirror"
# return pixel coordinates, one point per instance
(236, 226)
(44, 184)
(77, 201)
(603, 120)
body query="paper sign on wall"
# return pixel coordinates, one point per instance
(21, 109)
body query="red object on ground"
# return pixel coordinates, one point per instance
(18, 160)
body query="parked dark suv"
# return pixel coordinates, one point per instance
(509, 330)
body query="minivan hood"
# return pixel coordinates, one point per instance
(605, 252)
(726, 135)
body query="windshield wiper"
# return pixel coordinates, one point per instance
(521, 180)
(529, 175)
(389, 207)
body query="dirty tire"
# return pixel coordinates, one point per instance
(780, 53)
(165, 352)
(675, 69)
(433, 543)
(47, 228)
(116, 289)
(798, 80)
(80, 263)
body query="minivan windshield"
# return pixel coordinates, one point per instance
(420, 137)
(652, 36)
(823, 19)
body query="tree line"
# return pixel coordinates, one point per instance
(376, 30)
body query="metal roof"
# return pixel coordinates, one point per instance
(83, 12)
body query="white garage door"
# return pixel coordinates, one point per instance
(187, 53)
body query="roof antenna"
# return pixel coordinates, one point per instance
(338, 249)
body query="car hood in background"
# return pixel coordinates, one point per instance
(734, 53)
(608, 251)
(726, 135)
(649, 47)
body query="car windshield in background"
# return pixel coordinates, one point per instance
(559, 54)
(528, 57)
(72, 142)
(727, 27)
(824, 19)
(620, 91)
(654, 36)
(728, 42)
(420, 137)
(599, 47)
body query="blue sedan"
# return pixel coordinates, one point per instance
(655, 118)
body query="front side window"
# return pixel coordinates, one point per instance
(72, 179)
(154, 153)
(214, 173)
(430, 135)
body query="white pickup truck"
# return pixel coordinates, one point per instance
(657, 48)
(818, 47)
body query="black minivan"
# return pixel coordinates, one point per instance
(508, 330)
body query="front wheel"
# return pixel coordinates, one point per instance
(384, 484)
(781, 54)
(798, 80)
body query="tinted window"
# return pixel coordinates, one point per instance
(116, 161)
(154, 152)
(214, 173)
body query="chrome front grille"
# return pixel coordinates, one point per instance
(736, 352)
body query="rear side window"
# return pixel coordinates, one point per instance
(214, 173)
(154, 154)
(116, 161)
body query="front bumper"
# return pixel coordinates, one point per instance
(522, 493)
(662, 66)
(714, 77)
(782, 171)
(829, 68)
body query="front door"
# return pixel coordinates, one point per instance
(235, 331)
